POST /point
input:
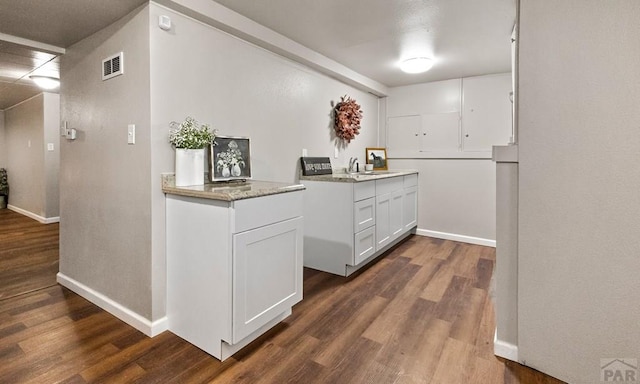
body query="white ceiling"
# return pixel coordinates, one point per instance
(464, 37)
(59, 23)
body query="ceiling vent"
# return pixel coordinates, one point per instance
(112, 66)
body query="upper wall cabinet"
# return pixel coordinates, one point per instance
(461, 118)
(486, 112)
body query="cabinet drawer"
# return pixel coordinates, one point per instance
(364, 190)
(410, 180)
(389, 185)
(364, 244)
(258, 212)
(364, 214)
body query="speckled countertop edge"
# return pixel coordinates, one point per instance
(228, 191)
(359, 177)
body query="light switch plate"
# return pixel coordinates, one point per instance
(131, 134)
(49, 146)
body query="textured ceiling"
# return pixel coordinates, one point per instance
(465, 37)
(17, 63)
(60, 23)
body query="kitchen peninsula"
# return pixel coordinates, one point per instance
(234, 260)
(352, 218)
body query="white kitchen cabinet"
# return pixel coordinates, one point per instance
(460, 118)
(365, 245)
(266, 274)
(389, 192)
(349, 222)
(410, 202)
(234, 268)
(383, 215)
(364, 214)
(486, 112)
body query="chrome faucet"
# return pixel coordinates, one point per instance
(352, 164)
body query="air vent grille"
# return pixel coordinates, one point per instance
(112, 66)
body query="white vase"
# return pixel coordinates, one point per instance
(189, 167)
(235, 171)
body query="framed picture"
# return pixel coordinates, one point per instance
(377, 157)
(230, 159)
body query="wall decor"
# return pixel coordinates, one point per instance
(190, 138)
(347, 118)
(230, 159)
(316, 166)
(377, 157)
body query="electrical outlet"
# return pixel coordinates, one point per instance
(304, 152)
(49, 146)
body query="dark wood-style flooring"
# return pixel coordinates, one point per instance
(28, 254)
(422, 314)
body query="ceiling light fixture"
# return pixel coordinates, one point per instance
(416, 65)
(45, 82)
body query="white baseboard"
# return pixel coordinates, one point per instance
(140, 323)
(504, 349)
(456, 237)
(43, 220)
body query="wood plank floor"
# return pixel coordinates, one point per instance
(422, 314)
(28, 254)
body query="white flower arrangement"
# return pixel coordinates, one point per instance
(230, 158)
(190, 134)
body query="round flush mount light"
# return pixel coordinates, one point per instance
(416, 65)
(45, 82)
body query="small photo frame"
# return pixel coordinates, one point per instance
(230, 158)
(377, 157)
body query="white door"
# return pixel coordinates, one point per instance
(267, 274)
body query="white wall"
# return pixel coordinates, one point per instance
(456, 196)
(24, 129)
(199, 71)
(579, 200)
(31, 169)
(51, 132)
(105, 197)
(112, 227)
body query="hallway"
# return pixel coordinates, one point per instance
(29, 253)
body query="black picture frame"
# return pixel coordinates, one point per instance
(230, 158)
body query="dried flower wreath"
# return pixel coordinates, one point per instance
(347, 118)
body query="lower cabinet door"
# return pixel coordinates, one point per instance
(395, 214)
(267, 274)
(365, 244)
(410, 207)
(383, 228)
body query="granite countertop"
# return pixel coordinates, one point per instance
(359, 177)
(228, 191)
